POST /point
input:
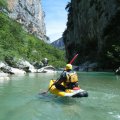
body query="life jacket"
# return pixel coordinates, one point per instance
(72, 78)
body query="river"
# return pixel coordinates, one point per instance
(20, 99)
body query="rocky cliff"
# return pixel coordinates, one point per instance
(93, 27)
(58, 43)
(30, 14)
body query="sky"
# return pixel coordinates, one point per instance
(55, 17)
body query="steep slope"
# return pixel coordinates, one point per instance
(93, 29)
(58, 43)
(30, 14)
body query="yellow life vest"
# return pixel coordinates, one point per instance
(72, 78)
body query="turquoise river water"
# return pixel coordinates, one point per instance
(20, 99)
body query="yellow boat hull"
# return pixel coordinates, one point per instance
(54, 90)
(68, 92)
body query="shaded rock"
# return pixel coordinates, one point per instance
(2, 64)
(25, 65)
(10, 61)
(11, 70)
(88, 66)
(117, 72)
(38, 65)
(45, 61)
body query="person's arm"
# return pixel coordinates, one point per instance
(61, 79)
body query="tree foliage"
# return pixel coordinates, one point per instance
(3, 3)
(114, 54)
(15, 42)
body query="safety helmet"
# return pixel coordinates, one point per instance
(68, 67)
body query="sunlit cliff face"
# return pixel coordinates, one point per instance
(30, 14)
(11, 4)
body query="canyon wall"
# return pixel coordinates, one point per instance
(30, 14)
(93, 27)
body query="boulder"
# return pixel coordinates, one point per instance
(117, 71)
(25, 65)
(11, 70)
(47, 69)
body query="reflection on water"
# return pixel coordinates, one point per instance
(20, 98)
(56, 99)
(118, 77)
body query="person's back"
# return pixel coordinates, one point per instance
(68, 78)
(71, 80)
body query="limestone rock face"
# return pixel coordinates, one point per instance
(58, 43)
(30, 14)
(93, 27)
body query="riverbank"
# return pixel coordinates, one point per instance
(22, 67)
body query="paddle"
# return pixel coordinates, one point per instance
(61, 73)
(73, 59)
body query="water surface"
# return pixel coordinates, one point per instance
(19, 99)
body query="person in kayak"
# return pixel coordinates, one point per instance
(67, 80)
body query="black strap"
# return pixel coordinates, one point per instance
(69, 77)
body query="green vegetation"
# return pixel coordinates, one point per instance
(96, 45)
(15, 42)
(3, 3)
(114, 54)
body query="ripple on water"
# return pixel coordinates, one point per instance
(20, 101)
(115, 115)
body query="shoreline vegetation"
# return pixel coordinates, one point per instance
(17, 44)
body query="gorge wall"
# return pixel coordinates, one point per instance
(30, 14)
(93, 27)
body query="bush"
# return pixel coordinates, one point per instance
(3, 3)
(14, 41)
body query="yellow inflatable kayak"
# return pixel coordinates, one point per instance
(77, 92)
